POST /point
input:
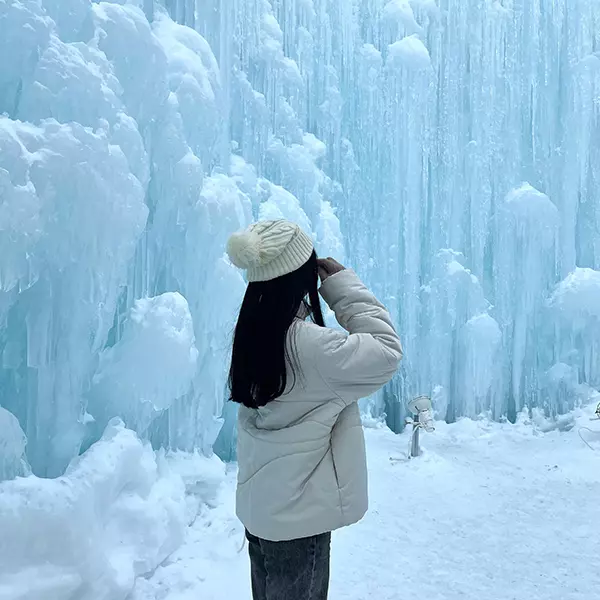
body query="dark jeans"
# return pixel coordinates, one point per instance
(294, 570)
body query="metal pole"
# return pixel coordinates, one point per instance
(415, 449)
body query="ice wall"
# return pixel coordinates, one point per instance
(135, 136)
(450, 128)
(118, 192)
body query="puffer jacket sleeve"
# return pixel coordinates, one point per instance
(356, 364)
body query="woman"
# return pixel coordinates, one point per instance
(301, 450)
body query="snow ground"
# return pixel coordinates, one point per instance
(490, 512)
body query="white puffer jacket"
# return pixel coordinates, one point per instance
(302, 463)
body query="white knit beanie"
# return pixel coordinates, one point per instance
(269, 249)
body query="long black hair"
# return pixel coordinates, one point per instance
(261, 352)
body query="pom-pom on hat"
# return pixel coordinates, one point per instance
(269, 249)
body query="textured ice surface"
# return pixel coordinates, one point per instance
(12, 447)
(575, 307)
(72, 213)
(152, 364)
(135, 136)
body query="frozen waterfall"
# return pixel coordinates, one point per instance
(448, 150)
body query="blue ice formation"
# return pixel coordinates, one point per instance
(448, 150)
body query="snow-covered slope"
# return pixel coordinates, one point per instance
(132, 145)
(114, 515)
(491, 511)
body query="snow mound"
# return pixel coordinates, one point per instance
(193, 78)
(71, 82)
(68, 197)
(137, 58)
(577, 297)
(409, 53)
(481, 339)
(401, 12)
(116, 514)
(152, 364)
(534, 211)
(202, 477)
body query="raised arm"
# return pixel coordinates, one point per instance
(362, 361)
